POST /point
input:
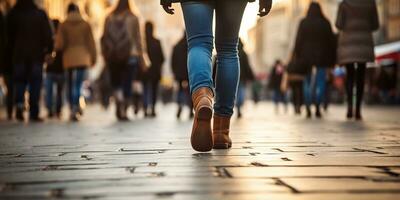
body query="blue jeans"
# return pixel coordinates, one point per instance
(28, 75)
(199, 24)
(76, 76)
(315, 86)
(279, 97)
(241, 95)
(57, 81)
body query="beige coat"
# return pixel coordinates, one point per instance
(75, 40)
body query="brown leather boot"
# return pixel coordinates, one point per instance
(221, 132)
(201, 138)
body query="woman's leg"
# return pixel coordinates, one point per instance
(360, 80)
(198, 20)
(49, 93)
(307, 91)
(320, 87)
(349, 89)
(228, 20)
(59, 95)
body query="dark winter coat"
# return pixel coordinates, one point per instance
(29, 33)
(246, 73)
(2, 42)
(275, 78)
(179, 61)
(156, 56)
(356, 20)
(169, 2)
(315, 42)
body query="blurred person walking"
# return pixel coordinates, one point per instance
(180, 71)
(356, 20)
(123, 52)
(198, 16)
(54, 82)
(275, 82)
(75, 39)
(153, 74)
(315, 47)
(7, 68)
(29, 41)
(246, 76)
(294, 79)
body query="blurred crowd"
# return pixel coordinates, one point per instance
(39, 52)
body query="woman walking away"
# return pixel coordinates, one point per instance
(75, 40)
(153, 75)
(123, 53)
(356, 20)
(29, 42)
(315, 47)
(198, 16)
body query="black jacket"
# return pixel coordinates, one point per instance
(2, 42)
(315, 43)
(179, 61)
(246, 73)
(156, 57)
(169, 2)
(29, 33)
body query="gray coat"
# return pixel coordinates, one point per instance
(356, 20)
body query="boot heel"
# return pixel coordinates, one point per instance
(204, 113)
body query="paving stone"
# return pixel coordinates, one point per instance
(280, 157)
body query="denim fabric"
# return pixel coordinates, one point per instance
(279, 97)
(28, 75)
(241, 95)
(199, 29)
(315, 86)
(54, 80)
(76, 76)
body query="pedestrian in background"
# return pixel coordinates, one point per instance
(54, 81)
(274, 84)
(153, 75)
(75, 39)
(198, 16)
(356, 20)
(179, 69)
(246, 77)
(315, 47)
(123, 52)
(29, 41)
(293, 79)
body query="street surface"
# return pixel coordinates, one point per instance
(274, 156)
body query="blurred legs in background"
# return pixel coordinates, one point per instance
(355, 72)
(57, 81)
(28, 76)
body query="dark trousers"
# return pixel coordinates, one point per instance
(9, 81)
(150, 91)
(28, 75)
(297, 95)
(75, 79)
(54, 90)
(355, 73)
(184, 97)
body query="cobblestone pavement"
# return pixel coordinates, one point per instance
(274, 156)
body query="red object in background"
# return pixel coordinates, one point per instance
(387, 52)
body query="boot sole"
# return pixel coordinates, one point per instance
(222, 146)
(201, 138)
